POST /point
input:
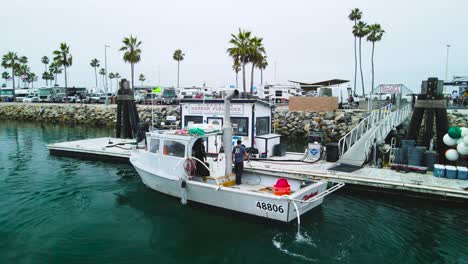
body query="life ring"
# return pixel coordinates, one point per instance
(189, 167)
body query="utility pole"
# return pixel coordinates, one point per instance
(447, 63)
(105, 65)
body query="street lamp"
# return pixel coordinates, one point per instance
(105, 66)
(447, 63)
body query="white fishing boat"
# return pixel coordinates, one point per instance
(167, 164)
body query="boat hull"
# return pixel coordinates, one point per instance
(268, 206)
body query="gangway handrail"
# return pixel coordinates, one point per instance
(348, 140)
(393, 120)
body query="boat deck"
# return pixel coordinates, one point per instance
(384, 180)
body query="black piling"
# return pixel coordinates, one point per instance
(127, 125)
(430, 104)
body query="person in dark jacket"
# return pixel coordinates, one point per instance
(198, 151)
(238, 155)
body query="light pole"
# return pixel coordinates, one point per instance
(105, 66)
(447, 63)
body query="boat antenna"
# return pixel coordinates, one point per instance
(227, 131)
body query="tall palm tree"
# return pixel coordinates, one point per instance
(141, 78)
(360, 31)
(237, 68)
(54, 70)
(178, 56)
(10, 60)
(117, 76)
(111, 76)
(102, 72)
(262, 66)
(45, 61)
(256, 52)
(6, 76)
(355, 16)
(63, 58)
(132, 52)
(375, 34)
(240, 50)
(95, 64)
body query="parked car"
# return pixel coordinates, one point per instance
(31, 99)
(59, 98)
(71, 99)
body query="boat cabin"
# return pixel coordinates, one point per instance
(251, 122)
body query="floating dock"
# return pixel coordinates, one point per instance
(105, 148)
(382, 180)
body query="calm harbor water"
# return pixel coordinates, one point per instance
(64, 210)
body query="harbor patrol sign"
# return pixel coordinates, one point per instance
(214, 109)
(390, 88)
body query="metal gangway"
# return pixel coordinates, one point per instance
(354, 147)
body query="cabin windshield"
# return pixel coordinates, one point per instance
(173, 148)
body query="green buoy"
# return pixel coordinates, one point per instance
(455, 132)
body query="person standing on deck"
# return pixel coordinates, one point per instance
(238, 155)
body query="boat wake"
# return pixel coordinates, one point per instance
(295, 245)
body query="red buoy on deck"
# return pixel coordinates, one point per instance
(282, 187)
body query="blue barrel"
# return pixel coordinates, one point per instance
(415, 156)
(430, 158)
(407, 144)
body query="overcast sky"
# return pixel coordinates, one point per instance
(307, 40)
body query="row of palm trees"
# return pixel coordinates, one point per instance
(19, 66)
(374, 33)
(95, 63)
(247, 49)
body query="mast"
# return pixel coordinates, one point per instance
(227, 131)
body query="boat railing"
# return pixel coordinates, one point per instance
(348, 140)
(393, 120)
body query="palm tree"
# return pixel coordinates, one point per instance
(31, 78)
(10, 60)
(111, 76)
(54, 70)
(95, 64)
(45, 61)
(23, 72)
(6, 76)
(360, 31)
(141, 78)
(236, 67)
(256, 52)
(102, 72)
(240, 50)
(63, 58)
(132, 53)
(178, 56)
(45, 76)
(262, 66)
(117, 76)
(355, 16)
(375, 34)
